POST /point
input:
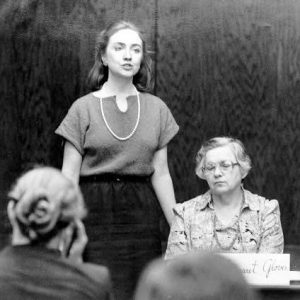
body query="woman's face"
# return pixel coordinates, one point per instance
(222, 172)
(124, 53)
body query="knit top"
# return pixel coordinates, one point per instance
(84, 127)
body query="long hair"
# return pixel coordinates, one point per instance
(99, 73)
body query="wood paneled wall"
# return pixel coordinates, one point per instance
(223, 67)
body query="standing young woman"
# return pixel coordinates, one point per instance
(116, 147)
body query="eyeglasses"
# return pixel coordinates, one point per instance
(224, 167)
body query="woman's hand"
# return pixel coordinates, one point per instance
(78, 243)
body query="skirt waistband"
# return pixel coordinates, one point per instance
(114, 177)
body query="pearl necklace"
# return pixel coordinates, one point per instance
(135, 126)
(237, 233)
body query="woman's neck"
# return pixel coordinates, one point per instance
(227, 206)
(122, 86)
(228, 200)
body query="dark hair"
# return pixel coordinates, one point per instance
(99, 73)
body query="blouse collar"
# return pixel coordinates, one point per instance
(250, 201)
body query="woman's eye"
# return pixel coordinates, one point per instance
(210, 168)
(226, 165)
(137, 50)
(118, 48)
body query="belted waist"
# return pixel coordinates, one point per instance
(114, 177)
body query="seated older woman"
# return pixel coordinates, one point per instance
(48, 238)
(227, 218)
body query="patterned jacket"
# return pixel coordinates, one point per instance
(257, 229)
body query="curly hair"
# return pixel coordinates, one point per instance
(45, 201)
(237, 147)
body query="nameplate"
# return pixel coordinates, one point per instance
(263, 269)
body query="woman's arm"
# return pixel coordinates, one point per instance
(78, 244)
(71, 162)
(162, 183)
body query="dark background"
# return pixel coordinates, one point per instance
(223, 67)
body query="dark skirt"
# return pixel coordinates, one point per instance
(122, 226)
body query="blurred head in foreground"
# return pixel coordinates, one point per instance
(44, 207)
(194, 276)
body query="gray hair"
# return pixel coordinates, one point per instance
(237, 147)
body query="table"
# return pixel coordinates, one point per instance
(278, 292)
(284, 292)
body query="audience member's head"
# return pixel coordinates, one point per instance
(43, 204)
(194, 276)
(45, 210)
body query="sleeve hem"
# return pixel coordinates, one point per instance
(169, 137)
(66, 137)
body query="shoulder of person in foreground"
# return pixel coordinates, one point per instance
(100, 275)
(96, 272)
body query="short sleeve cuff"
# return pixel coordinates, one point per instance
(66, 135)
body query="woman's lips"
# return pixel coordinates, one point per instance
(127, 66)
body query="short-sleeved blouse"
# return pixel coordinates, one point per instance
(84, 127)
(193, 227)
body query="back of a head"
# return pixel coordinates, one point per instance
(194, 276)
(42, 208)
(45, 200)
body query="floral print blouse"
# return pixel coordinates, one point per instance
(195, 227)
